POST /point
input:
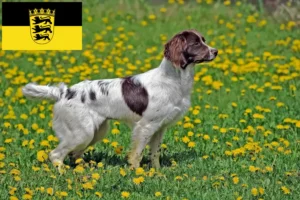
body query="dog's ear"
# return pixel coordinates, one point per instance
(174, 50)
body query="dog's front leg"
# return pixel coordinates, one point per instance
(155, 143)
(140, 138)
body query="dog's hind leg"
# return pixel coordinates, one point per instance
(98, 135)
(75, 128)
(58, 155)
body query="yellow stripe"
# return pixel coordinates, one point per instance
(64, 38)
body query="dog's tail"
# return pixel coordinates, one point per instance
(44, 92)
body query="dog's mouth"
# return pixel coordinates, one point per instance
(198, 61)
(204, 60)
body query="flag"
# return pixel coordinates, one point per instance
(42, 26)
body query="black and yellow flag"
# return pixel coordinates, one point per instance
(41, 25)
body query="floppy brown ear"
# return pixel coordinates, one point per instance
(174, 50)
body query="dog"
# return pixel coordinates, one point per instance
(148, 102)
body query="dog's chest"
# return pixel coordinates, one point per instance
(178, 111)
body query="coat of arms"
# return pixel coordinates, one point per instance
(41, 25)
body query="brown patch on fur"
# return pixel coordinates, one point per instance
(174, 48)
(135, 95)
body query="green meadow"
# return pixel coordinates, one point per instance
(239, 139)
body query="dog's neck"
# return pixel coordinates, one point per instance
(184, 76)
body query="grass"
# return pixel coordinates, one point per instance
(239, 140)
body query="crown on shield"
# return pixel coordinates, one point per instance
(41, 11)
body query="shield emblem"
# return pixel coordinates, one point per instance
(41, 25)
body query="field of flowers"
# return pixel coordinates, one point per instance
(239, 140)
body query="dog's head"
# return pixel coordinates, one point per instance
(188, 47)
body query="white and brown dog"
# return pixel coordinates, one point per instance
(148, 102)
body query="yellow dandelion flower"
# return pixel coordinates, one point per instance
(254, 191)
(45, 143)
(279, 104)
(17, 178)
(157, 194)
(190, 133)
(163, 10)
(2, 156)
(24, 116)
(191, 144)
(125, 194)
(227, 2)
(42, 156)
(96, 176)
(34, 126)
(253, 168)
(197, 121)
(9, 140)
(99, 194)
(122, 172)
(15, 172)
(261, 190)
(258, 116)
(27, 196)
(115, 131)
(251, 19)
(105, 140)
(63, 194)
(206, 137)
(79, 169)
(196, 112)
(139, 171)
(152, 17)
(114, 144)
(88, 186)
(185, 139)
(50, 191)
(35, 168)
(215, 140)
(138, 180)
(235, 180)
(2, 164)
(100, 165)
(285, 190)
(223, 130)
(144, 23)
(7, 124)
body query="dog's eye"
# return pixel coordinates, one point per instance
(197, 43)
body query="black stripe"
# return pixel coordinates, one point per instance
(70, 94)
(103, 87)
(83, 97)
(92, 95)
(17, 13)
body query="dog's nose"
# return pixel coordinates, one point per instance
(214, 51)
